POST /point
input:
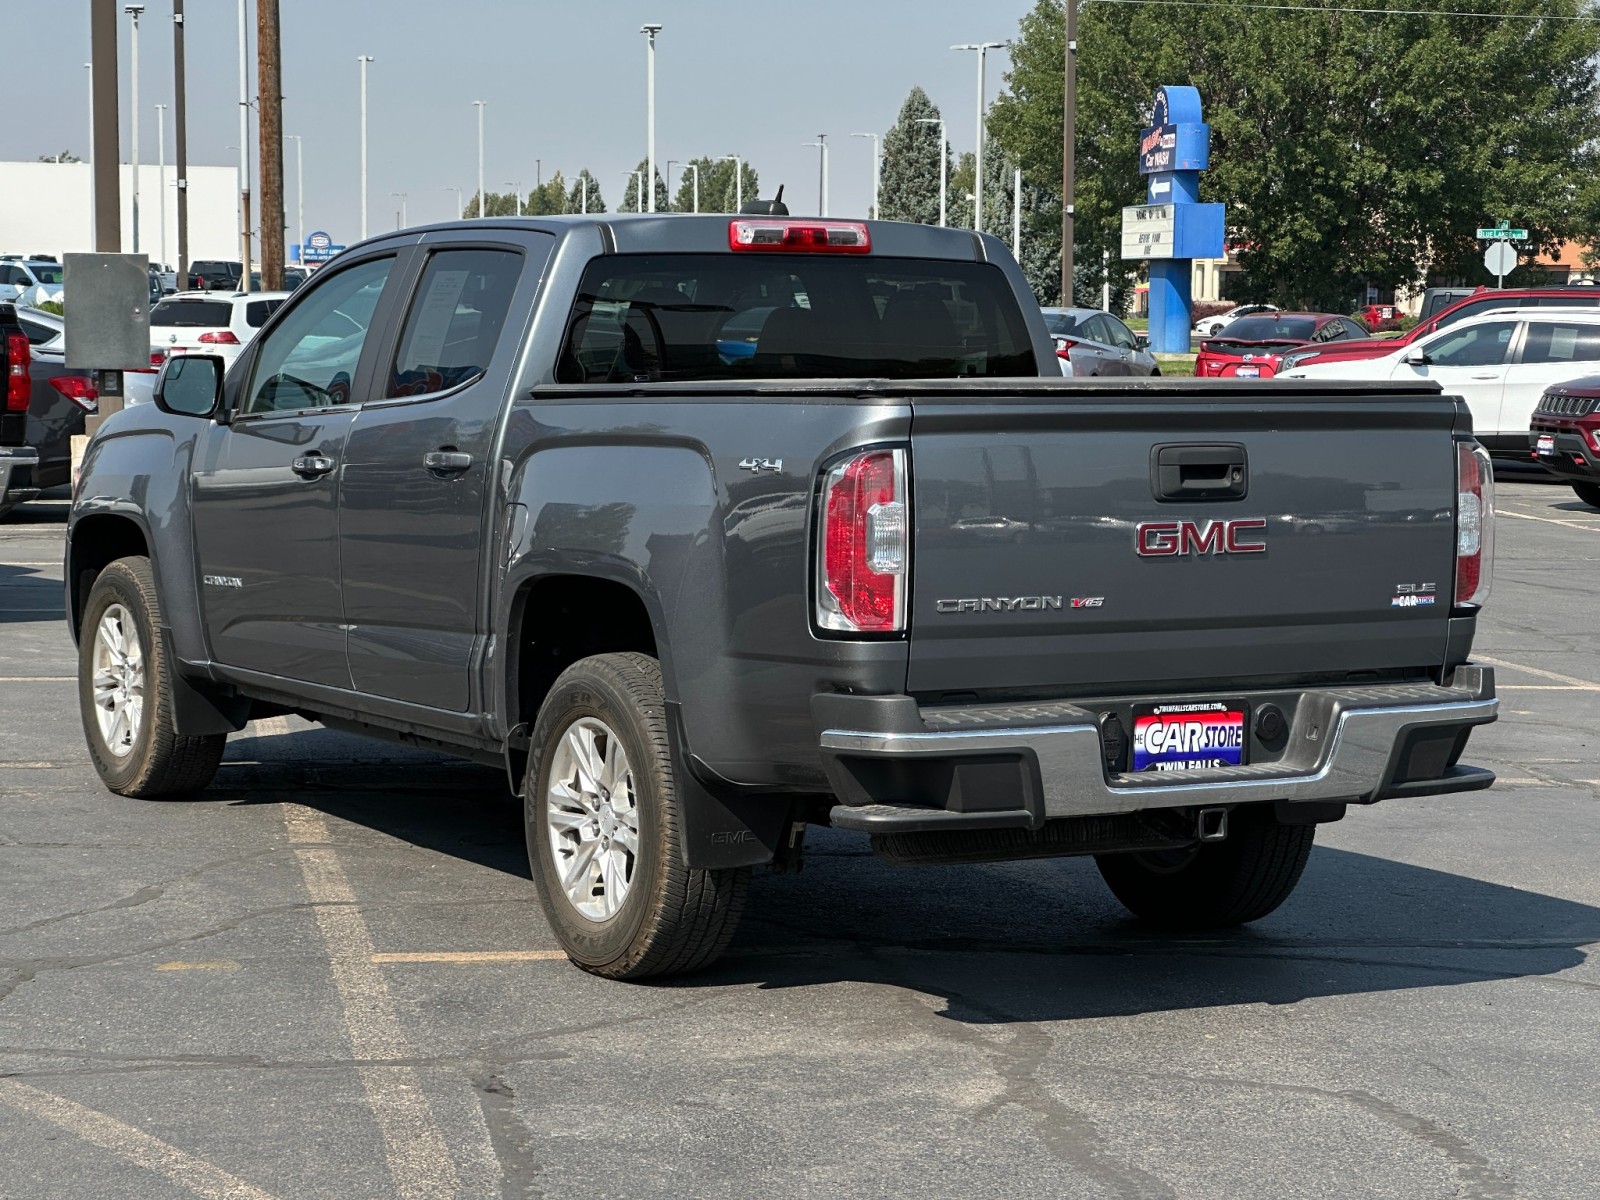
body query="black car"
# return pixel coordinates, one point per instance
(215, 274)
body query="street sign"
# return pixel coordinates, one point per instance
(1500, 259)
(1503, 234)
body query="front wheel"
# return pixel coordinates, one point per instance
(124, 691)
(604, 829)
(1589, 493)
(1213, 885)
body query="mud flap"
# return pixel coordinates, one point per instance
(719, 830)
(199, 707)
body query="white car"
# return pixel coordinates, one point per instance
(1211, 326)
(219, 323)
(1500, 362)
(29, 282)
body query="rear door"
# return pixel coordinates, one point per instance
(1553, 351)
(1057, 552)
(417, 496)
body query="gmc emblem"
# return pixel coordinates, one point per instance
(1162, 539)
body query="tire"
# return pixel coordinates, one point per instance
(630, 913)
(1213, 885)
(143, 756)
(5, 510)
(1589, 493)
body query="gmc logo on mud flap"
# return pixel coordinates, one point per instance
(1164, 539)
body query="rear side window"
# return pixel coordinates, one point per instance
(692, 317)
(38, 334)
(455, 320)
(257, 311)
(212, 314)
(1061, 324)
(1556, 342)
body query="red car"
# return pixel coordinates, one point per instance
(1380, 317)
(1565, 436)
(1252, 347)
(1482, 300)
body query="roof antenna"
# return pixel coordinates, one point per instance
(766, 208)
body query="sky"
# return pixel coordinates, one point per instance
(564, 85)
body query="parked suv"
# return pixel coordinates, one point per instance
(208, 321)
(1564, 435)
(26, 281)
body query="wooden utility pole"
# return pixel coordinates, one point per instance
(106, 154)
(269, 91)
(180, 112)
(1069, 140)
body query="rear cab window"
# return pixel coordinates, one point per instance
(702, 317)
(455, 320)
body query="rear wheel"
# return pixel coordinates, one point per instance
(1589, 493)
(124, 691)
(1213, 885)
(604, 829)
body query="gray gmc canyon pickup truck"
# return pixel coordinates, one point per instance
(710, 528)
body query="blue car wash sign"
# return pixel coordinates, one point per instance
(319, 248)
(1173, 228)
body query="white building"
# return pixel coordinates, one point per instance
(48, 208)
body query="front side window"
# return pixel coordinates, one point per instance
(455, 320)
(694, 317)
(1478, 346)
(310, 359)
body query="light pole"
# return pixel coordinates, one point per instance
(738, 181)
(1016, 214)
(695, 167)
(583, 196)
(516, 192)
(482, 104)
(364, 59)
(876, 174)
(983, 49)
(671, 162)
(822, 173)
(161, 177)
(650, 32)
(244, 155)
(401, 196)
(460, 212)
(299, 194)
(133, 10)
(944, 166)
(89, 67)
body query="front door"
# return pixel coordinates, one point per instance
(419, 474)
(1470, 362)
(266, 485)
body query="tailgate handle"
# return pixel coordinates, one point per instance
(1210, 471)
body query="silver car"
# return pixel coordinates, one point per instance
(1096, 343)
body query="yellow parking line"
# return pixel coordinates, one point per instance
(468, 956)
(37, 678)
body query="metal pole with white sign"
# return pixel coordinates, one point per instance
(1501, 259)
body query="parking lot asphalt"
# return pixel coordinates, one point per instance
(328, 977)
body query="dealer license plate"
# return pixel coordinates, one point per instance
(1547, 444)
(1198, 736)
(1248, 372)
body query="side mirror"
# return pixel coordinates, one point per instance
(190, 385)
(1417, 357)
(1141, 341)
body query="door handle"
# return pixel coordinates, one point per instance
(1490, 375)
(312, 466)
(447, 462)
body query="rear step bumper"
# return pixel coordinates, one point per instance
(18, 466)
(896, 767)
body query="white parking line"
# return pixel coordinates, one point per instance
(133, 1144)
(1506, 512)
(419, 1160)
(1572, 681)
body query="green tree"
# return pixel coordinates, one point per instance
(717, 191)
(630, 198)
(548, 199)
(1350, 148)
(575, 198)
(909, 182)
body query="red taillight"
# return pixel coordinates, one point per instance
(1474, 523)
(19, 384)
(1063, 346)
(223, 337)
(800, 235)
(80, 389)
(864, 545)
(157, 357)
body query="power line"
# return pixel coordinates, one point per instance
(1380, 12)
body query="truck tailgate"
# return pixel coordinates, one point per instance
(1080, 540)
